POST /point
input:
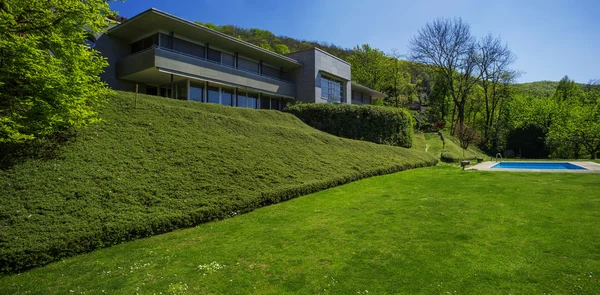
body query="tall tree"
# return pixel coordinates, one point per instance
(493, 61)
(368, 66)
(49, 78)
(448, 46)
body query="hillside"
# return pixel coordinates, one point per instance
(171, 164)
(448, 152)
(538, 88)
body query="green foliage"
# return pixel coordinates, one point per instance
(377, 124)
(423, 231)
(49, 80)
(577, 127)
(171, 164)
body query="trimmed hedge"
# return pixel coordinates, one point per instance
(378, 124)
(169, 164)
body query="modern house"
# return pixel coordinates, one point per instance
(168, 56)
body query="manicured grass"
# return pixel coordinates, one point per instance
(170, 164)
(451, 152)
(434, 230)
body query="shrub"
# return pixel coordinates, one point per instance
(169, 164)
(384, 125)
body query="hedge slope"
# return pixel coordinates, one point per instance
(170, 164)
(378, 124)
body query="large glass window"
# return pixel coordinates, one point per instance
(241, 99)
(144, 43)
(228, 59)
(196, 91)
(284, 103)
(252, 100)
(214, 55)
(331, 89)
(213, 94)
(227, 97)
(247, 65)
(265, 102)
(188, 47)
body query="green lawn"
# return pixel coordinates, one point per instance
(434, 230)
(450, 152)
(169, 164)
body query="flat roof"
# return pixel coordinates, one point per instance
(153, 19)
(365, 89)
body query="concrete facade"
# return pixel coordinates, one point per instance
(161, 64)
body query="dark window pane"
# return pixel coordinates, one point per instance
(271, 72)
(165, 40)
(196, 91)
(151, 90)
(188, 47)
(144, 43)
(213, 94)
(214, 55)
(241, 99)
(284, 103)
(252, 100)
(182, 90)
(265, 103)
(274, 104)
(226, 97)
(228, 59)
(247, 65)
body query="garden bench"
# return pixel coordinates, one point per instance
(464, 164)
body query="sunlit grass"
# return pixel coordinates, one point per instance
(433, 230)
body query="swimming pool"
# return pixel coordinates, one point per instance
(537, 166)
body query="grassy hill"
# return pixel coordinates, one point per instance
(171, 164)
(450, 152)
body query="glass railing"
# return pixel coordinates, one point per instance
(208, 60)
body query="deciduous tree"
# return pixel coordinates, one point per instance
(49, 78)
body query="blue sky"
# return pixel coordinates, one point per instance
(551, 38)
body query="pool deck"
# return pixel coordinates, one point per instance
(590, 166)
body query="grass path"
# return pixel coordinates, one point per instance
(431, 230)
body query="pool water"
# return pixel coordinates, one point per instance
(537, 166)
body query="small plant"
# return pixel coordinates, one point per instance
(467, 135)
(439, 125)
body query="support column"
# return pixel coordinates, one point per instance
(188, 89)
(172, 87)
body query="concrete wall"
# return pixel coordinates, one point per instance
(114, 50)
(305, 77)
(308, 78)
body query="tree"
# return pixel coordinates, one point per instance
(448, 46)
(580, 126)
(568, 91)
(467, 136)
(49, 79)
(493, 61)
(367, 66)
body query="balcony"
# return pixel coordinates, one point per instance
(153, 66)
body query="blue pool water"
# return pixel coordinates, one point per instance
(537, 165)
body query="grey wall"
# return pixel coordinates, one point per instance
(114, 50)
(308, 78)
(305, 77)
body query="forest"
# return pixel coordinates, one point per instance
(450, 79)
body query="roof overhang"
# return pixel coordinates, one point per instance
(364, 89)
(153, 20)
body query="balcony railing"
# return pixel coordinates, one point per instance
(208, 60)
